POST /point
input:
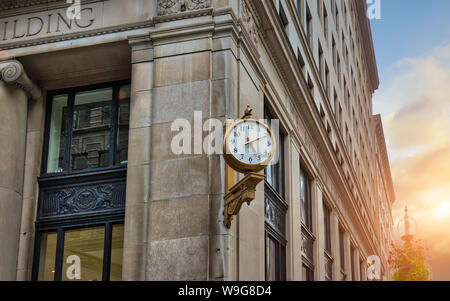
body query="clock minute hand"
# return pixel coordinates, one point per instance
(254, 140)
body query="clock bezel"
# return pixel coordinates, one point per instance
(234, 162)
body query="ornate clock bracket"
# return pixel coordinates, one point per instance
(243, 191)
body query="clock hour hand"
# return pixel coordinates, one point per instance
(251, 144)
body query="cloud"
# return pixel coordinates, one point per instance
(416, 107)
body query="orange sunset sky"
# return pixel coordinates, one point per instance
(414, 100)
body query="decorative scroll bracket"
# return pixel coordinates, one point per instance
(13, 72)
(243, 191)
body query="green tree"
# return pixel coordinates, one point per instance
(409, 262)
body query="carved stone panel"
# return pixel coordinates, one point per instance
(167, 7)
(274, 213)
(83, 197)
(249, 21)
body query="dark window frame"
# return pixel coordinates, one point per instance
(307, 225)
(280, 255)
(279, 167)
(96, 175)
(342, 251)
(68, 130)
(108, 222)
(276, 195)
(329, 260)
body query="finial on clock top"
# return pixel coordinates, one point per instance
(248, 112)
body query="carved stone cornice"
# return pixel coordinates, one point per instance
(249, 20)
(12, 72)
(384, 155)
(167, 7)
(12, 4)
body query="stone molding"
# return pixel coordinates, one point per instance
(79, 35)
(249, 21)
(12, 72)
(11, 4)
(168, 7)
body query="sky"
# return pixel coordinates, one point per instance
(412, 47)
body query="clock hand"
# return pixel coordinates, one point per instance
(251, 144)
(251, 141)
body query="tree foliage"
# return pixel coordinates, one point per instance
(409, 262)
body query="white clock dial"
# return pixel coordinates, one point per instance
(250, 142)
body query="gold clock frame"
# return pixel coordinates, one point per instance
(237, 165)
(245, 190)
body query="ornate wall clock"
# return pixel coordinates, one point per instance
(249, 144)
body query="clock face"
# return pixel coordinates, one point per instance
(251, 143)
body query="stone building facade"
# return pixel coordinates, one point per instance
(88, 95)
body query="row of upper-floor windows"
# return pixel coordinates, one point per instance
(363, 110)
(276, 245)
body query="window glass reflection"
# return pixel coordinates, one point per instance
(116, 253)
(123, 125)
(83, 254)
(271, 253)
(48, 257)
(57, 138)
(91, 129)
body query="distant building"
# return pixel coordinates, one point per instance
(89, 186)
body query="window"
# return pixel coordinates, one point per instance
(300, 5)
(352, 262)
(361, 267)
(284, 19)
(333, 50)
(275, 259)
(336, 17)
(275, 208)
(84, 254)
(310, 86)
(325, 22)
(342, 252)
(307, 229)
(327, 236)
(275, 173)
(301, 62)
(320, 62)
(309, 31)
(82, 188)
(338, 68)
(87, 129)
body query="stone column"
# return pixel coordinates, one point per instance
(138, 174)
(334, 230)
(294, 216)
(13, 120)
(33, 156)
(363, 269)
(320, 236)
(348, 257)
(357, 266)
(182, 186)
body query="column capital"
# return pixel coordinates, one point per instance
(12, 72)
(142, 48)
